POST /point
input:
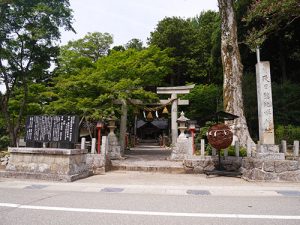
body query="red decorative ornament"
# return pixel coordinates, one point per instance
(219, 136)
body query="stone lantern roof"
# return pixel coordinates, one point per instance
(182, 118)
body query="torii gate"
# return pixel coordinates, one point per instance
(160, 90)
(174, 91)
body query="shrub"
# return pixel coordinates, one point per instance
(4, 142)
(288, 133)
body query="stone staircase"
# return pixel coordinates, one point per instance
(148, 157)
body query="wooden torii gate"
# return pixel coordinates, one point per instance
(174, 91)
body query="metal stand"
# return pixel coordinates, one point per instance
(221, 171)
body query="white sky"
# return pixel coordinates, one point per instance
(127, 19)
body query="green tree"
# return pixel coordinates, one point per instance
(178, 35)
(273, 16)
(210, 96)
(82, 53)
(120, 75)
(195, 45)
(135, 44)
(29, 31)
(207, 48)
(273, 26)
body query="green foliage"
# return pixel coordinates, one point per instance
(4, 142)
(250, 103)
(288, 133)
(272, 16)
(230, 149)
(134, 43)
(286, 103)
(205, 100)
(194, 44)
(82, 53)
(28, 44)
(120, 75)
(208, 49)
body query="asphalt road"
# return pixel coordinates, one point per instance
(35, 205)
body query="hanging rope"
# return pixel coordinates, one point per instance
(152, 109)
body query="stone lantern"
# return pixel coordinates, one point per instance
(112, 124)
(182, 120)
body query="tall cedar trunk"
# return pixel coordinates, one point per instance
(233, 71)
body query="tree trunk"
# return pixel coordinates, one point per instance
(233, 71)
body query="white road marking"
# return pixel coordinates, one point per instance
(150, 213)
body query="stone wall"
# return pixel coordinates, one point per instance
(271, 170)
(47, 163)
(98, 163)
(200, 164)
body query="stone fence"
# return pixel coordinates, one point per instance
(251, 167)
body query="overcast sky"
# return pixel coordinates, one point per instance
(127, 19)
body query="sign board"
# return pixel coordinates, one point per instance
(52, 129)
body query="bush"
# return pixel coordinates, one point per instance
(231, 151)
(288, 133)
(4, 142)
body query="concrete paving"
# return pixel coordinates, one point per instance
(148, 158)
(160, 183)
(170, 182)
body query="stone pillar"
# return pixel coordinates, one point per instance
(283, 146)
(214, 152)
(202, 148)
(225, 152)
(93, 147)
(264, 100)
(249, 147)
(237, 148)
(296, 149)
(82, 143)
(123, 126)
(114, 148)
(174, 127)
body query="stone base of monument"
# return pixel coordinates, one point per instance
(98, 163)
(47, 164)
(209, 164)
(114, 148)
(182, 149)
(268, 152)
(257, 169)
(270, 165)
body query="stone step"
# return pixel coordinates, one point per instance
(153, 169)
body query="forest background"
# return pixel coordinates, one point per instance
(90, 73)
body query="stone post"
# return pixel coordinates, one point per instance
(296, 149)
(82, 143)
(225, 152)
(214, 152)
(202, 148)
(123, 126)
(174, 126)
(283, 146)
(93, 147)
(237, 148)
(249, 147)
(267, 148)
(264, 100)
